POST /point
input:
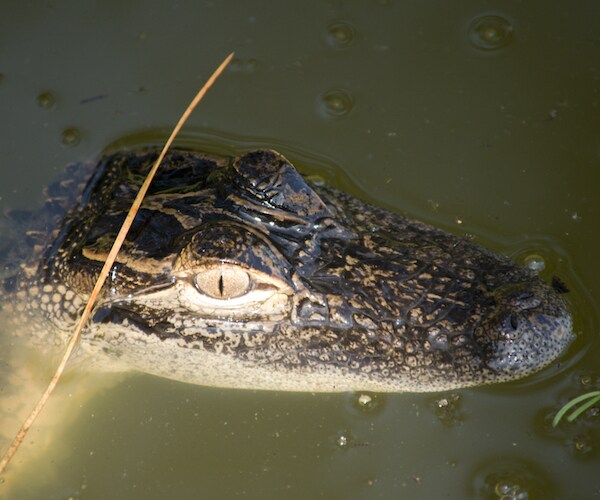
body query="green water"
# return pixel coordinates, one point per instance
(481, 117)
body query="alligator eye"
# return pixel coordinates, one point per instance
(224, 282)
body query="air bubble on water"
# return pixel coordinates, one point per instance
(582, 444)
(512, 480)
(367, 404)
(490, 32)
(70, 137)
(340, 35)
(336, 103)
(316, 179)
(507, 490)
(535, 262)
(46, 100)
(342, 441)
(447, 409)
(364, 399)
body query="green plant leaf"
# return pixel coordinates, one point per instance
(593, 397)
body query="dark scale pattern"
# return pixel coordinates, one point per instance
(324, 292)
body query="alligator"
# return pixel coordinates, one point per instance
(238, 272)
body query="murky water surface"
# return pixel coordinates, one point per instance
(482, 118)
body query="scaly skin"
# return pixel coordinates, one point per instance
(239, 273)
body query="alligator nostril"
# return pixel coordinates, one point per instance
(514, 323)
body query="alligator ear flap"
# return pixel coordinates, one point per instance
(270, 177)
(271, 186)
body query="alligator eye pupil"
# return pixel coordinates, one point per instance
(223, 282)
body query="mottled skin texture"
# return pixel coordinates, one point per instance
(238, 273)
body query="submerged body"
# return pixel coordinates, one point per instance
(239, 273)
